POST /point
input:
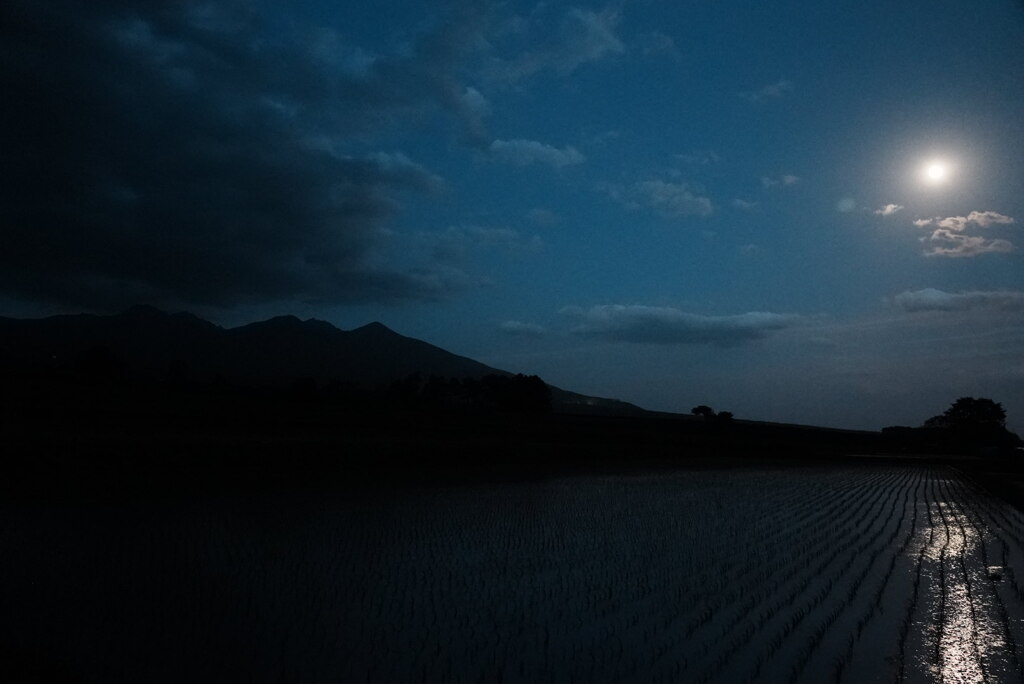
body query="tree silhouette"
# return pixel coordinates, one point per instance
(972, 415)
(971, 412)
(702, 411)
(970, 421)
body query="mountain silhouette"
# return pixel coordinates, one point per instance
(148, 344)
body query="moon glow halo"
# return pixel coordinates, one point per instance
(936, 172)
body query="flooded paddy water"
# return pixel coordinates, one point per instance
(807, 574)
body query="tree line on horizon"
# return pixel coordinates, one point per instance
(968, 422)
(504, 393)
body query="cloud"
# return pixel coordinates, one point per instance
(889, 209)
(199, 154)
(401, 170)
(520, 329)
(474, 108)
(930, 299)
(950, 239)
(947, 243)
(543, 217)
(665, 325)
(982, 219)
(771, 91)
(987, 218)
(745, 205)
(658, 43)
(583, 36)
(700, 158)
(526, 152)
(785, 180)
(476, 102)
(671, 200)
(454, 245)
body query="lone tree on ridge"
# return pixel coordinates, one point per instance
(968, 413)
(702, 411)
(970, 420)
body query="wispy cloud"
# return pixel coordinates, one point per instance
(699, 158)
(543, 217)
(982, 219)
(889, 209)
(473, 108)
(455, 244)
(930, 299)
(671, 200)
(447, 257)
(950, 238)
(946, 243)
(666, 325)
(400, 169)
(584, 36)
(784, 180)
(658, 43)
(771, 91)
(745, 205)
(521, 329)
(524, 152)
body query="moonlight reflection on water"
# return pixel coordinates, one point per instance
(791, 574)
(966, 621)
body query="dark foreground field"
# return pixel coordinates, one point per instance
(260, 541)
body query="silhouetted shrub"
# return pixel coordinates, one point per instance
(971, 421)
(702, 411)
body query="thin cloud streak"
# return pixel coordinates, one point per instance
(525, 152)
(666, 325)
(947, 243)
(785, 180)
(982, 219)
(584, 36)
(772, 91)
(522, 329)
(667, 199)
(931, 299)
(889, 210)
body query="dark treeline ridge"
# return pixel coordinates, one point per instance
(78, 431)
(100, 371)
(970, 424)
(508, 393)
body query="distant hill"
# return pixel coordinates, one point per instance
(146, 343)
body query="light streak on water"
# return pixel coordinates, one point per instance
(966, 634)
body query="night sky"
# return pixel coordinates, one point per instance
(799, 211)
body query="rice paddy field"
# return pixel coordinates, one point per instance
(804, 574)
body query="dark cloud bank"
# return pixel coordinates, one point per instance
(179, 152)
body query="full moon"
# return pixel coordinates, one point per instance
(936, 172)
